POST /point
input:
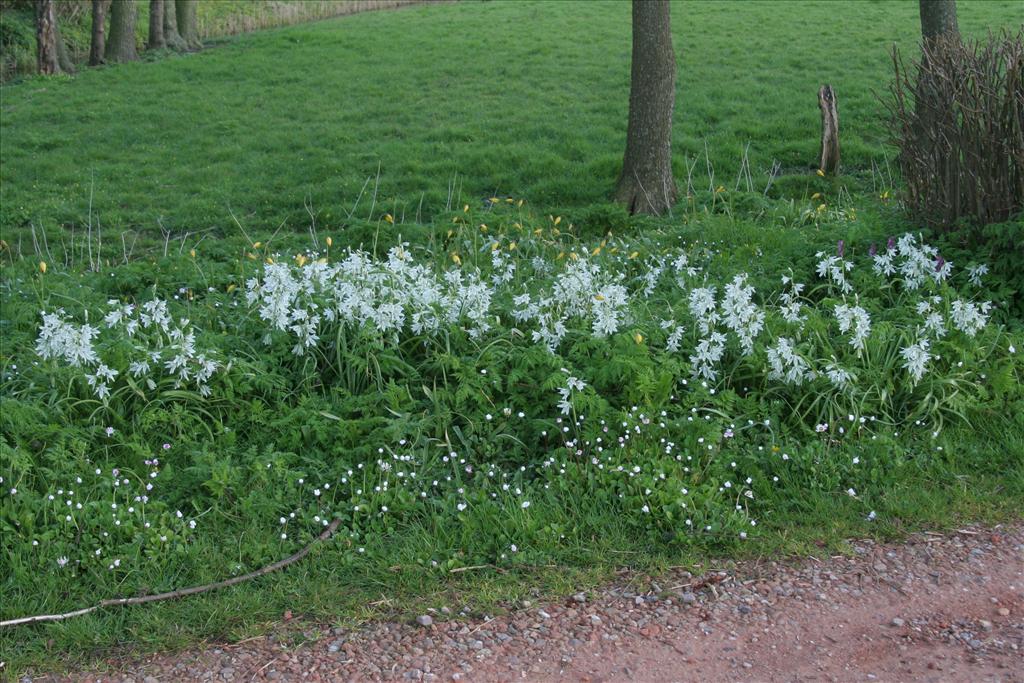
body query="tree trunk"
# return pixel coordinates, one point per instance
(171, 35)
(188, 23)
(47, 58)
(99, 36)
(646, 184)
(829, 130)
(67, 65)
(156, 25)
(938, 18)
(121, 42)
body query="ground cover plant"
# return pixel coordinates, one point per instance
(490, 394)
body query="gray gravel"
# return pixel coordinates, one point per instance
(934, 607)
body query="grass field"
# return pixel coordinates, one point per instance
(485, 136)
(516, 98)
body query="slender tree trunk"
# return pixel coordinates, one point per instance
(121, 42)
(67, 65)
(646, 184)
(47, 58)
(99, 35)
(171, 35)
(938, 19)
(156, 25)
(188, 23)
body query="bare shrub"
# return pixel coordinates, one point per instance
(959, 128)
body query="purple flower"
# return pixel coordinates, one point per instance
(167, 446)
(890, 244)
(939, 263)
(840, 248)
(872, 250)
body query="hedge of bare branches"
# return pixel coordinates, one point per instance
(959, 127)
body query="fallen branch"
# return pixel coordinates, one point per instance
(182, 592)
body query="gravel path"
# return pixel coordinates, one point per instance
(933, 608)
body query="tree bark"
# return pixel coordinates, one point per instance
(171, 35)
(646, 184)
(47, 59)
(121, 42)
(188, 23)
(156, 25)
(938, 19)
(829, 130)
(99, 36)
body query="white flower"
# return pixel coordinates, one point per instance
(975, 273)
(525, 504)
(969, 317)
(857, 318)
(786, 364)
(915, 358)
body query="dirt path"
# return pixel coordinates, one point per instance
(934, 608)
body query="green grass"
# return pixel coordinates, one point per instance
(520, 98)
(526, 99)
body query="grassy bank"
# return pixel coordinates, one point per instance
(245, 293)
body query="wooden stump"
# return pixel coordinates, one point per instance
(829, 130)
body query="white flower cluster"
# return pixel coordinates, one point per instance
(933, 321)
(66, 341)
(969, 317)
(916, 357)
(389, 295)
(571, 384)
(834, 268)
(919, 262)
(787, 364)
(791, 305)
(582, 291)
(740, 314)
(856, 318)
(163, 344)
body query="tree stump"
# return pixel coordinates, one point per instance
(829, 130)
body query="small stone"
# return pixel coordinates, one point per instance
(527, 604)
(688, 598)
(898, 622)
(638, 600)
(747, 665)
(744, 609)
(543, 615)
(150, 679)
(477, 645)
(985, 625)
(457, 677)
(1003, 612)
(594, 619)
(445, 611)
(425, 620)
(580, 597)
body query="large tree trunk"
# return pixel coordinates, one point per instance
(47, 58)
(188, 23)
(156, 25)
(646, 184)
(121, 42)
(171, 35)
(938, 19)
(99, 36)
